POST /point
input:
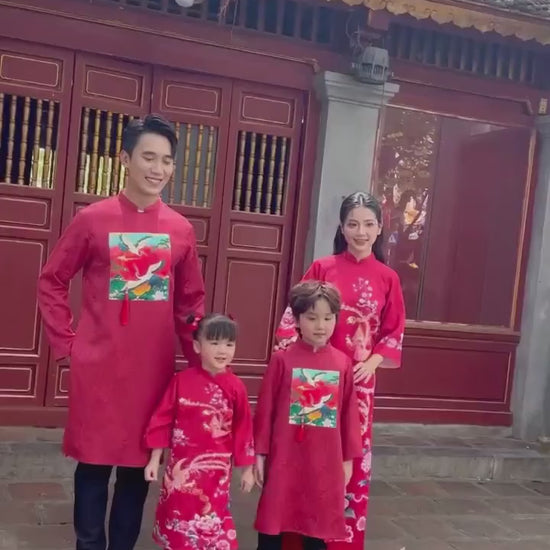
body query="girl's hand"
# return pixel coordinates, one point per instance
(152, 469)
(247, 480)
(365, 369)
(259, 470)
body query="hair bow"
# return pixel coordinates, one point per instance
(192, 323)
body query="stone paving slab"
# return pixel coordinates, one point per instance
(419, 515)
(400, 452)
(435, 488)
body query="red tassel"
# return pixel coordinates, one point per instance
(301, 432)
(125, 310)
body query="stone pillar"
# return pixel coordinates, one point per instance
(531, 391)
(345, 150)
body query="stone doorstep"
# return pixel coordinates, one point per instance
(400, 452)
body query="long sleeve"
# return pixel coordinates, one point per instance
(351, 425)
(286, 331)
(158, 433)
(390, 339)
(243, 444)
(267, 403)
(188, 297)
(67, 258)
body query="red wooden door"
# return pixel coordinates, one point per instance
(199, 107)
(35, 88)
(258, 218)
(235, 180)
(106, 94)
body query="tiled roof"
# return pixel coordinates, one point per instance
(536, 8)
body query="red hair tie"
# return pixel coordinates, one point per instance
(192, 323)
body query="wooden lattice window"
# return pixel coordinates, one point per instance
(261, 173)
(304, 20)
(99, 169)
(193, 177)
(101, 173)
(494, 60)
(28, 140)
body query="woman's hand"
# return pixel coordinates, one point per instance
(348, 469)
(365, 369)
(247, 480)
(283, 344)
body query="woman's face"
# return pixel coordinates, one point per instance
(361, 229)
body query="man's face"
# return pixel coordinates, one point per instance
(150, 166)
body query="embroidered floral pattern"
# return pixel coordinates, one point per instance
(314, 397)
(193, 510)
(208, 532)
(140, 266)
(371, 321)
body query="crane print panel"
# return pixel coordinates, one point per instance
(140, 266)
(314, 397)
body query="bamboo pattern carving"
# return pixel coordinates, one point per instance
(260, 184)
(27, 161)
(115, 184)
(24, 145)
(92, 185)
(271, 174)
(185, 171)
(281, 178)
(198, 157)
(11, 134)
(250, 172)
(209, 167)
(240, 172)
(82, 183)
(264, 187)
(107, 160)
(171, 183)
(48, 164)
(36, 149)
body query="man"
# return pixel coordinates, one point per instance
(141, 279)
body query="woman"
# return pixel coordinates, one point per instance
(369, 329)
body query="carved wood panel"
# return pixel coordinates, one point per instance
(35, 88)
(107, 93)
(257, 218)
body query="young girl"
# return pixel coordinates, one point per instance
(306, 428)
(205, 420)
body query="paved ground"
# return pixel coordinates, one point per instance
(418, 515)
(415, 504)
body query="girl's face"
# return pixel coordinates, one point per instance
(215, 355)
(361, 229)
(317, 324)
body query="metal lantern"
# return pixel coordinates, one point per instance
(371, 65)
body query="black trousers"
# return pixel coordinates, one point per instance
(91, 493)
(275, 542)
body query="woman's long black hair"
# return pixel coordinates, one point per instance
(348, 204)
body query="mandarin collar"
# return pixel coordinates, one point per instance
(351, 258)
(308, 347)
(127, 203)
